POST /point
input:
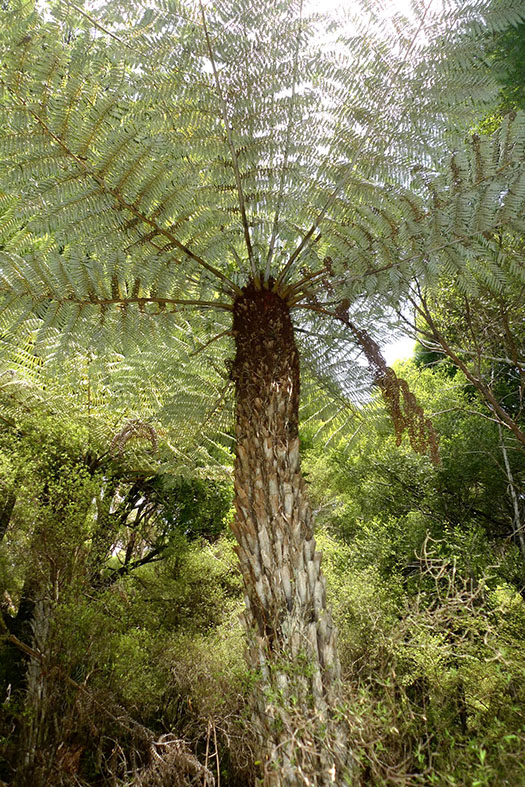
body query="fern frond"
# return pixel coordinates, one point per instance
(156, 158)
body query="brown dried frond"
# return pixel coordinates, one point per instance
(134, 430)
(403, 407)
(407, 414)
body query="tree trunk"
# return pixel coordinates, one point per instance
(292, 640)
(32, 770)
(6, 509)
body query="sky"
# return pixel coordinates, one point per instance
(390, 6)
(398, 350)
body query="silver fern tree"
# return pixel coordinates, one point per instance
(244, 178)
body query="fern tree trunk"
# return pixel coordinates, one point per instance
(292, 640)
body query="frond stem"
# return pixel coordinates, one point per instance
(349, 166)
(235, 162)
(123, 203)
(295, 289)
(286, 149)
(227, 332)
(143, 301)
(120, 41)
(97, 25)
(313, 308)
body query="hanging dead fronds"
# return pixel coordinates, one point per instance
(406, 413)
(134, 430)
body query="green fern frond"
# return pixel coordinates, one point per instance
(156, 159)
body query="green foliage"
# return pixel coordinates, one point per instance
(160, 160)
(383, 499)
(426, 583)
(198, 508)
(422, 576)
(434, 674)
(508, 54)
(118, 563)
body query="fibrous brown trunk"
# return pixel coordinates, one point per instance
(292, 640)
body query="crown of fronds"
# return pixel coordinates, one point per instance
(156, 159)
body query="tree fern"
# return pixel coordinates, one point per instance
(180, 172)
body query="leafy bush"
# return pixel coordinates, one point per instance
(434, 676)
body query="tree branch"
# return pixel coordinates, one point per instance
(153, 556)
(518, 527)
(484, 389)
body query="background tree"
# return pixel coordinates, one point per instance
(79, 522)
(225, 172)
(472, 316)
(507, 51)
